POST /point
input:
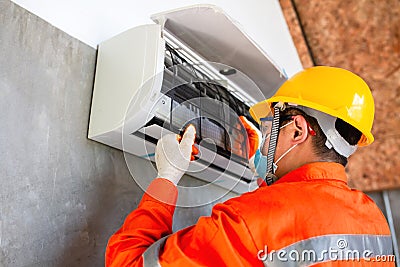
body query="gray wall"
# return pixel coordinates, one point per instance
(62, 195)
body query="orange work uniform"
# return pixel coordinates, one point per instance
(309, 216)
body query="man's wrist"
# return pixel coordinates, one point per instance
(162, 190)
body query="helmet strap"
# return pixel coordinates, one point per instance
(270, 177)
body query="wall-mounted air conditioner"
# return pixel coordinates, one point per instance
(195, 65)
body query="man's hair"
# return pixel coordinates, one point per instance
(348, 132)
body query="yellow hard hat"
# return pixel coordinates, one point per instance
(334, 91)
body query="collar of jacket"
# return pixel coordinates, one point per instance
(316, 171)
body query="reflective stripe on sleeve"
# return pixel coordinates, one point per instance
(150, 256)
(329, 248)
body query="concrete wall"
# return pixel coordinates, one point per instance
(61, 195)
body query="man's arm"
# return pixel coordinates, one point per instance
(218, 240)
(151, 221)
(153, 218)
(221, 239)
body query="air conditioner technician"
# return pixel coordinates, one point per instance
(303, 213)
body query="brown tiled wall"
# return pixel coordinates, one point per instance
(364, 37)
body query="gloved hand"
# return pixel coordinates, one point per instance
(173, 154)
(253, 143)
(253, 135)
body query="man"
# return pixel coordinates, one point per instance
(306, 215)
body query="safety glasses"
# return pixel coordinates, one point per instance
(266, 124)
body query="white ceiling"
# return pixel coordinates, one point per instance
(93, 21)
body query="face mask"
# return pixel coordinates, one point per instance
(260, 161)
(275, 164)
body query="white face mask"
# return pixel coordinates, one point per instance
(275, 164)
(260, 160)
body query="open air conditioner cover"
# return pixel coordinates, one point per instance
(155, 79)
(216, 37)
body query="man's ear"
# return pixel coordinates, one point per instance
(300, 129)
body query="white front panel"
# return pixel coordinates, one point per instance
(129, 68)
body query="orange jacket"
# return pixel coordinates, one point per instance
(309, 214)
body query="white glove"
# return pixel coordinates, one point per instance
(252, 166)
(173, 157)
(254, 142)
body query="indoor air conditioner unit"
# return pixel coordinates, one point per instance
(195, 65)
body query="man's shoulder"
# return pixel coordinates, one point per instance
(294, 196)
(267, 197)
